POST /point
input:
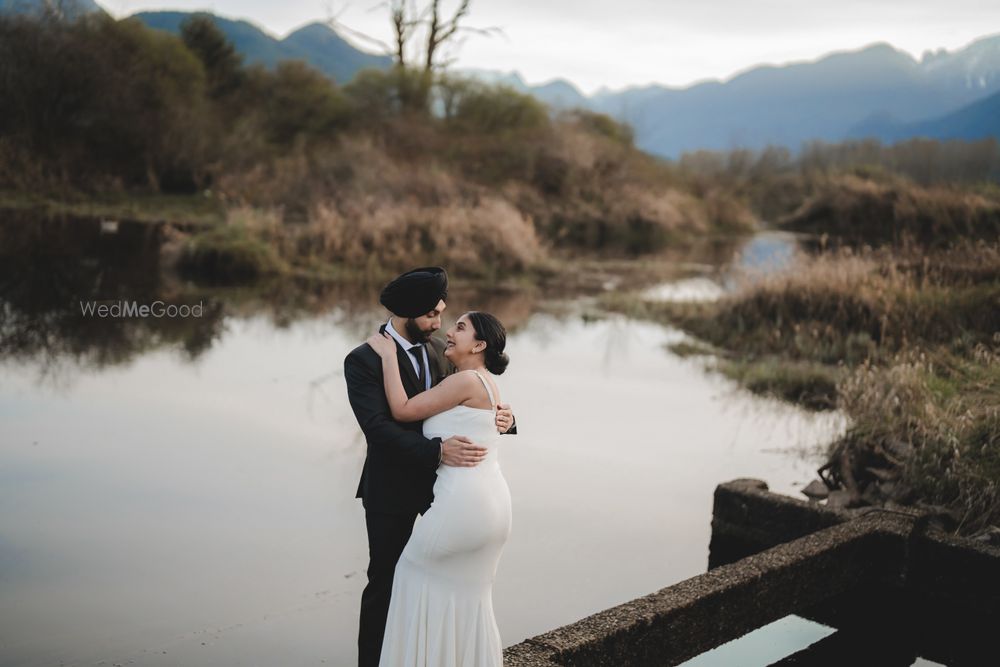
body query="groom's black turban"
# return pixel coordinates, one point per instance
(416, 292)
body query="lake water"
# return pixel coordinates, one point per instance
(182, 492)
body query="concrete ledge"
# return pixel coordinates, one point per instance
(679, 622)
(776, 556)
(954, 568)
(529, 654)
(747, 518)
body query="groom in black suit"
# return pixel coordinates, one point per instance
(397, 480)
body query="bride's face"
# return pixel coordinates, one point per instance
(461, 341)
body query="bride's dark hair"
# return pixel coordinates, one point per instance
(489, 330)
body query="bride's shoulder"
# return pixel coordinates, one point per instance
(473, 382)
(461, 378)
(460, 385)
(470, 381)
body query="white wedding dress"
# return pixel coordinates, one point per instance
(441, 609)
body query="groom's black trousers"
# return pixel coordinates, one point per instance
(387, 535)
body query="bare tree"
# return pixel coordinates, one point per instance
(439, 32)
(402, 28)
(426, 24)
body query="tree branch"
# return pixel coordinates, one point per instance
(333, 22)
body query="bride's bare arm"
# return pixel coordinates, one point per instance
(453, 390)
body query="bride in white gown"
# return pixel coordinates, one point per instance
(441, 609)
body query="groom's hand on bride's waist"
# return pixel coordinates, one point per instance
(460, 452)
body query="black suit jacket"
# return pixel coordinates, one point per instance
(399, 471)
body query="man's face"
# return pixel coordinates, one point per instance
(420, 329)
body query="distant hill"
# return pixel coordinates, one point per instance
(324, 49)
(975, 121)
(316, 43)
(557, 93)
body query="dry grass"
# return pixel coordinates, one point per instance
(847, 306)
(926, 427)
(374, 203)
(478, 238)
(892, 210)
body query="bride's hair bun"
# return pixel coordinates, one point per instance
(497, 363)
(489, 330)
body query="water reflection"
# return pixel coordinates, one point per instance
(758, 256)
(188, 497)
(50, 267)
(687, 289)
(773, 644)
(764, 646)
(47, 270)
(767, 252)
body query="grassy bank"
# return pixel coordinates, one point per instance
(893, 210)
(905, 341)
(191, 209)
(424, 191)
(925, 428)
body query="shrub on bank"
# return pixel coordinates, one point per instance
(774, 183)
(926, 427)
(478, 238)
(860, 211)
(495, 110)
(809, 384)
(846, 306)
(84, 120)
(247, 246)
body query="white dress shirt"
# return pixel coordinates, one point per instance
(413, 360)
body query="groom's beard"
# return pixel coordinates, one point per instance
(415, 333)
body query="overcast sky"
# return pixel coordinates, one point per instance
(619, 43)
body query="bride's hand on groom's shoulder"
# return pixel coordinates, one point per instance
(382, 344)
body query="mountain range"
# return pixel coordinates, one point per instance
(316, 43)
(840, 96)
(877, 91)
(974, 121)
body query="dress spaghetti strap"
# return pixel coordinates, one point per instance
(493, 403)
